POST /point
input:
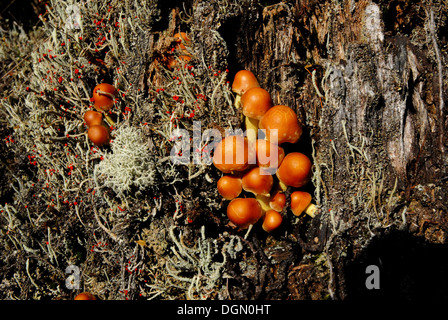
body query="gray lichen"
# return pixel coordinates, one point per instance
(128, 166)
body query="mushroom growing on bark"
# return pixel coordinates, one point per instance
(232, 154)
(229, 187)
(269, 155)
(278, 201)
(294, 171)
(301, 202)
(243, 81)
(244, 212)
(281, 125)
(254, 102)
(272, 220)
(259, 181)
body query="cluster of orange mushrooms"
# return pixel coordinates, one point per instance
(259, 166)
(104, 98)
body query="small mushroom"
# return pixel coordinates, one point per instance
(99, 134)
(232, 154)
(272, 220)
(278, 201)
(257, 181)
(254, 102)
(301, 202)
(104, 96)
(244, 212)
(294, 171)
(281, 125)
(269, 155)
(229, 187)
(92, 118)
(182, 40)
(85, 296)
(243, 81)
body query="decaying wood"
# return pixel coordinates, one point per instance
(372, 101)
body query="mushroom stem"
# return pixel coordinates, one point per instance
(282, 186)
(237, 102)
(251, 129)
(108, 119)
(311, 210)
(264, 202)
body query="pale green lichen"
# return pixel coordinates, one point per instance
(128, 165)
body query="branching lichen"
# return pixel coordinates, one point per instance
(128, 166)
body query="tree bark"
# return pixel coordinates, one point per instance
(368, 81)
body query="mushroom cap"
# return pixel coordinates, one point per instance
(269, 155)
(104, 101)
(92, 118)
(272, 220)
(243, 81)
(300, 200)
(85, 296)
(182, 39)
(281, 125)
(98, 134)
(244, 211)
(173, 62)
(229, 187)
(255, 102)
(232, 153)
(295, 170)
(257, 181)
(278, 201)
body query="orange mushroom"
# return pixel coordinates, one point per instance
(229, 187)
(294, 171)
(173, 62)
(281, 125)
(272, 220)
(254, 102)
(257, 181)
(182, 39)
(269, 155)
(301, 202)
(99, 134)
(104, 96)
(85, 296)
(242, 82)
(182, 42)
(233, 154)
(278, 201)
(244, 212)
(92, 118)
